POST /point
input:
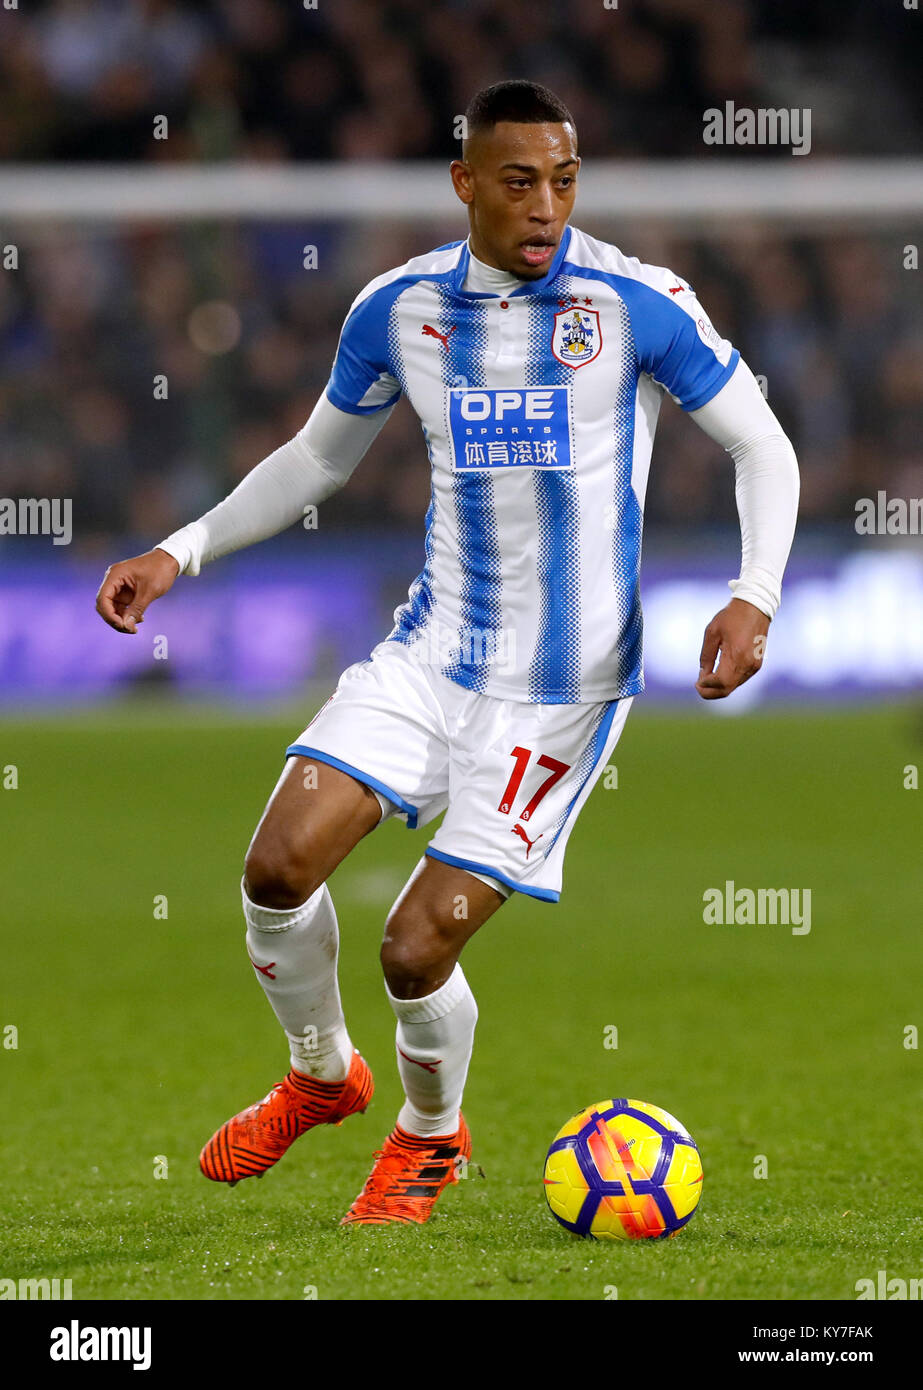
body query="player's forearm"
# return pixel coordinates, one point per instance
(767, 489)
(304, 471)
(767, 485)
(270, 498)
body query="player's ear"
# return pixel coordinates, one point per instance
(462, 179)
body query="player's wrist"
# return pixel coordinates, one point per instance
(185, 547)
(739, 602)
(755, 595)
(174, 564)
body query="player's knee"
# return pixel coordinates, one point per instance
(414, 953)
(279, 875)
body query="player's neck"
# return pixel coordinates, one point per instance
(487, 278)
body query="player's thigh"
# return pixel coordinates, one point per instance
(315, 816)
(386, 727)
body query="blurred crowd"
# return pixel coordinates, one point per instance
(143, 372)
(277, 80)
(145, 369)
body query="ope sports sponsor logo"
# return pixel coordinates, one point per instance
(526, 427)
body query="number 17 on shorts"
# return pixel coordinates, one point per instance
(519, 789)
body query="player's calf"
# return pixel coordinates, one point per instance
(441, 907)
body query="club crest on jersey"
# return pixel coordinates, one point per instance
(577, 336)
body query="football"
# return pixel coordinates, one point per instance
(623, 1170)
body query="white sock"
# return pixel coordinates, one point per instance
(295, 955)
(435, 1036)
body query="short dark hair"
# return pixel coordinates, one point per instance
(518, 100)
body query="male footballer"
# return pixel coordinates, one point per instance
(536, 358)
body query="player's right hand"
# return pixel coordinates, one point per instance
(131, 585)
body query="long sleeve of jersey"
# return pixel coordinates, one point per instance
(767, 484)
(306, 470)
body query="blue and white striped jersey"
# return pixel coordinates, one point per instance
(538, 411)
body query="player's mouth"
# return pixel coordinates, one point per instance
(537, 253)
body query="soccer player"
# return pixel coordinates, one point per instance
(537, 358)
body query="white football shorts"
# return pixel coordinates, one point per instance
(512, 777)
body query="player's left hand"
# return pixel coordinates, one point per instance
(739, 633)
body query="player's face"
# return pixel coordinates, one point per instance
(519, 183)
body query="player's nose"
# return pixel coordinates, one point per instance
(542, 208)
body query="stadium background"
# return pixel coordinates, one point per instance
(104, 734)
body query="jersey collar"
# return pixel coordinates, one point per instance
(529, 287)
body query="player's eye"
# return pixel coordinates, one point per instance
(518, 183)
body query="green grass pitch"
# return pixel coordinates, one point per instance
(138, 1035)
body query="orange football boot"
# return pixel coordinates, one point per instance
(251, 1142)
(408, 1176)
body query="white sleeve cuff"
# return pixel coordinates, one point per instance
(765, 597)
(186, 546)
